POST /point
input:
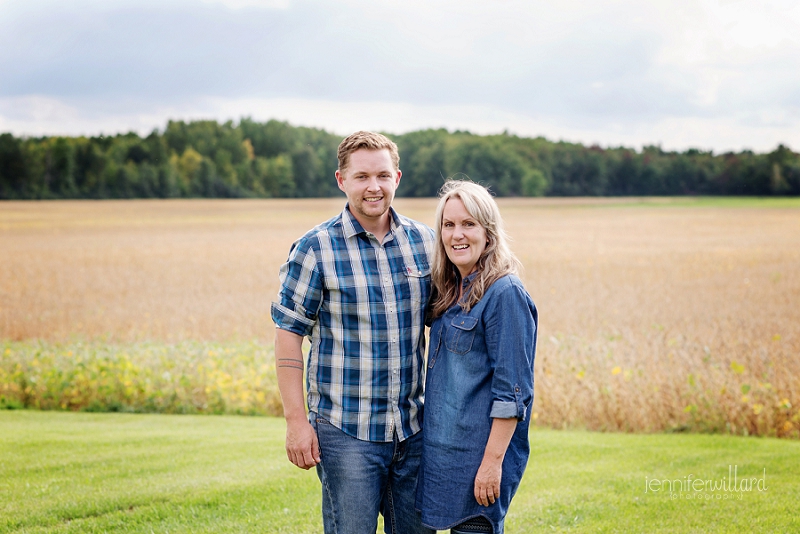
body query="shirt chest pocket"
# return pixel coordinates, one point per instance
(419, 286)
(461, 334)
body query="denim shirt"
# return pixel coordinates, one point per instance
(480, 367)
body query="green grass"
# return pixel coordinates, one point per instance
(86, 472)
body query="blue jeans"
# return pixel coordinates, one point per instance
(362, 478)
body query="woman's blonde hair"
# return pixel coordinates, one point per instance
(496, 261)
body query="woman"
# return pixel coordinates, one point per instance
(479, 385)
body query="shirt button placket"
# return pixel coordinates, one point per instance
(392, 320)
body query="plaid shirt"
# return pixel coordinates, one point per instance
(362, 303)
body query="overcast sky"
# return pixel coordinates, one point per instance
(709, 74)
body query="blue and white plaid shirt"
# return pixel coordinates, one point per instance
(362, 303)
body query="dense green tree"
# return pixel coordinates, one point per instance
(34, 152)
(578, 171)
(624, 172)
(12, 168)
(61, 168)
(423, 156)
(534, 183)
(275, 159)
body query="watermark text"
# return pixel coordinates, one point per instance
(689, 487)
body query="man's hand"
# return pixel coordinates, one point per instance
(302, 446)
(487, 481)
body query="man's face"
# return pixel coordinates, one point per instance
(369, 181)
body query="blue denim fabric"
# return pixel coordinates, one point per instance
(363, 478)
(480, 367)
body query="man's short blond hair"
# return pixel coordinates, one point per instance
(370, 141)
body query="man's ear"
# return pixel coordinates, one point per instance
(339, 179)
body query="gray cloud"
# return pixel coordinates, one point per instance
(576, 64)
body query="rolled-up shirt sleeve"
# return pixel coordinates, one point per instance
(300, 295)
(511, 324)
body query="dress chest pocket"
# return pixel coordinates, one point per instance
(461, 334)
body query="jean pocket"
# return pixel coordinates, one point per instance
(318, 419)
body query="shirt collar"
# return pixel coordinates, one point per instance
(352, 227)
(469, 278)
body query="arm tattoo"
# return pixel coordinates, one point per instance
(290, 362)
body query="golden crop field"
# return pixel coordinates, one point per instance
(655, 314)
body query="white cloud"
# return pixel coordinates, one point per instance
(42, 115)
(241, 4)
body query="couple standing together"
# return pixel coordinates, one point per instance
(361, 286)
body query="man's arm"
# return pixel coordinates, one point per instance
(302, 446)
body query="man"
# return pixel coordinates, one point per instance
(357, 286)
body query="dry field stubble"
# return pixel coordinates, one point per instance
(164, 270)
(655, 315)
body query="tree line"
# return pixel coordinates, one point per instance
(276, 159)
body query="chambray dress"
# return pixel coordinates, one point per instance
(480, 366)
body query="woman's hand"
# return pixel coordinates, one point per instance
(490, 473)
(487, 481)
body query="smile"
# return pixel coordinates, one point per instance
(460, 247)
(373, 199)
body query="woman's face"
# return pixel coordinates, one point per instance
(464, 239)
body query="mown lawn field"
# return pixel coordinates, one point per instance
(81, 472)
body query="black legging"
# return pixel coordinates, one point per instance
(476, 525)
